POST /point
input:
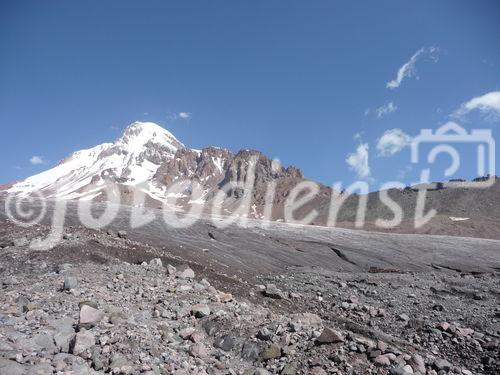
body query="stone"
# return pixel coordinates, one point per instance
(20, 241)
(70, 282)
(226, 343)
(117, 317)
(317, 371)
(171, 270)
(118, 361)
(442, 364)
(122, 234)
(186, 333)
(200, 311)
(11, 367)
(273, 292)
(382, 361)
(329, 336)
(399, 371)
(417, 363)
(185, 272)
(250, 351)
(156, 262)
(289, 369)
(443, 326)
(41, 369)
(264, 334)
(90, 316)
(42, 342)
(198, 350)
(83, 341)
(403, 317)
(97, 361)
(273, 351)
(63, 340)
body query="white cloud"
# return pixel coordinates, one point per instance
(392, 142)
(488, 104)
(408, 69)
(184, 115)
(358, 161)
(386, 109)
(36, 160)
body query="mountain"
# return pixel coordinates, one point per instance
(148, 159)
(150, 167)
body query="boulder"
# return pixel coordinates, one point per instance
(70, 282)
(273, 292)
(83, 341)
(156, 262)
(273, 351)
(90, 316)
(185, 272)
(200, 311)
(329, 336)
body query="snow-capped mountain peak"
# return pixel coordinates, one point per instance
(138, 134)
(132, 159)
(149, 160)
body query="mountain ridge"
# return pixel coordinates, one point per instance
(149, 160)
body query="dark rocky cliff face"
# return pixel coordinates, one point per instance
(206, 167)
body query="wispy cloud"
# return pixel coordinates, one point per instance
(386, 109)
(179, 115)
(392, 142)
(358, 161)
(488, 104)
(408, 69)
(37, 160)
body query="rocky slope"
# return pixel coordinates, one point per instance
(102, 303)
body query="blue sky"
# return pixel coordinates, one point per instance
(305, 82)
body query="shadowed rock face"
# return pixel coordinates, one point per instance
(207, 167)
(217, 169)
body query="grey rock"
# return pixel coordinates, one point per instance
(20, 241)
(251, 351)
(42, 342)
(198, 350)
(171, 270)
(156, 262)
(273, 292)
(289, 369)
(83, 341)
(226, 343)
(200, 311)
(70, 282)
(442, 364)
(329, 336)
(63, 340)
(90, 316)
(273, 351)
(9, 367)
(185, 272)
(118, 361)
(264, 334)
